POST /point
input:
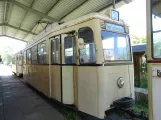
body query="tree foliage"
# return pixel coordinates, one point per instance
(6, 54)
(138, 40)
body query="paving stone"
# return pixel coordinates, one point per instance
(1, 117)
(18, 102)
(35, 116)
(1, 109)
(52, 114)
(15, 117)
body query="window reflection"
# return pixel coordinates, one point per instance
(156, 26)
(115, 46)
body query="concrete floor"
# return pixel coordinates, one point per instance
(18, 102)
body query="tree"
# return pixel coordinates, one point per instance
(6, 54)
(138, 40)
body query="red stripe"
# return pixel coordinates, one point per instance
(154, 61)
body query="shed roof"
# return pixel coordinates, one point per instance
(139, 48)
(23, 19)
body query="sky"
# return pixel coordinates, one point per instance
(134, 14)
(15, 44)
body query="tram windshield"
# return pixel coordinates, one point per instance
(116, 47)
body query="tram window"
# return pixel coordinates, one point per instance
(29, 56)
(55, 50)
(42, 53)
(116, 47)
(70, 50)
(24, 57)
(13, 60)
(34, 54)
(19, 58)
(88, 54)
(156, 30)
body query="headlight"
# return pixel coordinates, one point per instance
(120, 82)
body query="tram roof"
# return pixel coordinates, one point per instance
(23, 19)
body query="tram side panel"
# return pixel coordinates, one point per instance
(37, 73)
(19, 67)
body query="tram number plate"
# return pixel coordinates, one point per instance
(156, 72)
(159, 73)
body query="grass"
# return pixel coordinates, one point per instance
(141, 106)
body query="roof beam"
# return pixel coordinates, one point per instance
(109, 5)
(7, 14)
(46, 14)
(127, 1)
(8, 25)
(24, 17)
(74, 9)
(4, 17)
(29, 9)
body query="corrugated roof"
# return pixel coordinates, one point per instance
(23, 19)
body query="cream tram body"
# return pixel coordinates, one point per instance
(80, 63)
(154, 58)
(17, 64)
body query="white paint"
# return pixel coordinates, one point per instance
(87, 90)
(108, 90)
(156, 92)
(67, 82)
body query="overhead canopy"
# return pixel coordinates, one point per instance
(156, 4)
(23, 19)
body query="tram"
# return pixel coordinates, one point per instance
(86, 62)
(17, 67)
(154, 58)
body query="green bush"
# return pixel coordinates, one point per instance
(144, 82)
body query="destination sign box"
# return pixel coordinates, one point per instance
(114, 27)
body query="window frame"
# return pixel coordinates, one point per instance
(89, 63)
(25, 62)
(38, 59)
(152, 32)
(28, 61)
(53, 39)
(36, 54)
(118, 61)
(70, 35)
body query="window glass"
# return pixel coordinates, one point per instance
(55, 50)
(88, 54)
(42, 53)
(13, 60)
(156, 21)
(19, 57)
(29, 56)
(34, 54)
(115, 46)
(24, 57)
(70, 50)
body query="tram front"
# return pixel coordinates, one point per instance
(116, 76)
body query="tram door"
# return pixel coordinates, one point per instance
(68, 64)
(63, 59)
(154, 58)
